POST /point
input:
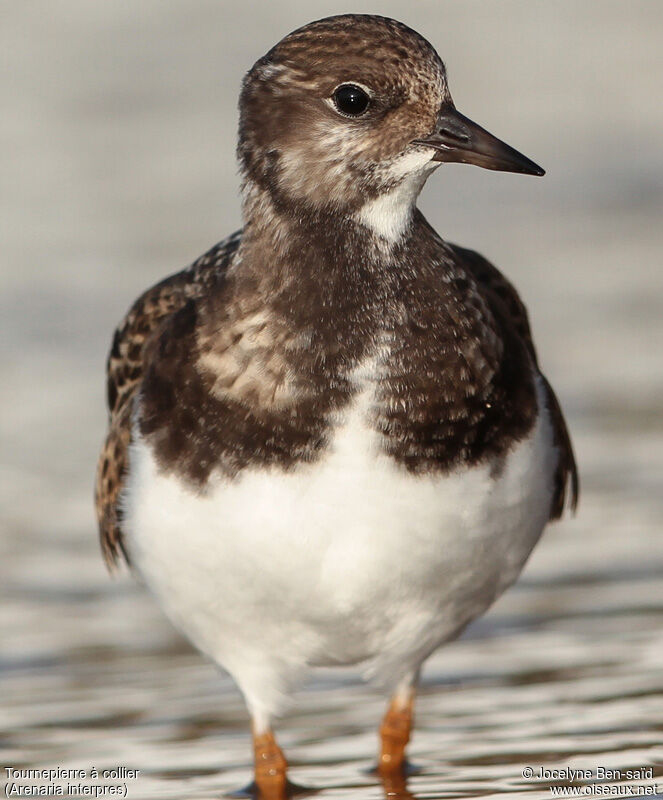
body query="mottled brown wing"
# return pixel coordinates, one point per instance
(566, 475)
(124, 372)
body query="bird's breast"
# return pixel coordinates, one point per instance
(343, 555)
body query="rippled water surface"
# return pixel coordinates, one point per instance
(118, 134)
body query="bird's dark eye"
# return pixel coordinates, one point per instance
(351, 100)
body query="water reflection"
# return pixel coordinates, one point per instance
(393, 784)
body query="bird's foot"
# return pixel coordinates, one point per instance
(394, 737)
(270, 768)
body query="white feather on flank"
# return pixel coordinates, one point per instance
(389, 215)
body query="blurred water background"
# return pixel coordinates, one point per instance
(117, 135)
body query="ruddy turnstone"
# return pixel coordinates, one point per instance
(330, 441)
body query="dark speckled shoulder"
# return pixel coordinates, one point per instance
(125, 371)
(501, 292)
(459, 388)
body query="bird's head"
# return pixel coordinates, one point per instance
(350, 114)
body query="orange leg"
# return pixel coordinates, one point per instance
(270, 767)
(395, 731)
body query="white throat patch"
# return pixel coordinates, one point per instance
(389, 214)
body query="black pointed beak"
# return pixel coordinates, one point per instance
(457, 138)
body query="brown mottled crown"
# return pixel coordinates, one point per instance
(293, 141)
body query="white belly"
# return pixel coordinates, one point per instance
(351, 559)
